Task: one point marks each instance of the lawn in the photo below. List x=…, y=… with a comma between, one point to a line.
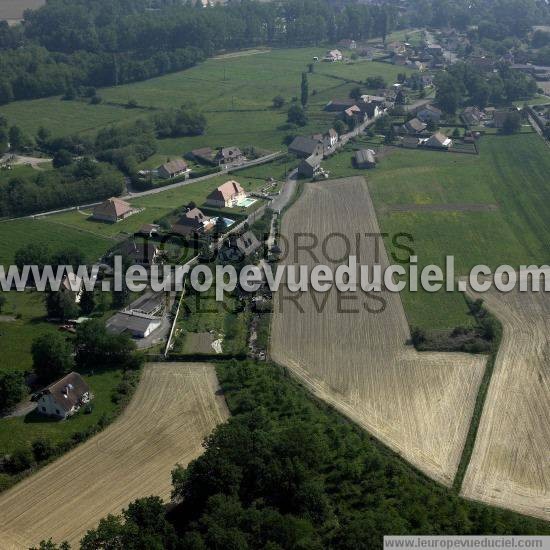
x=22, y=171
x=235, y=94
x=510, y=177
x=154, y=207
x=20, y=233
x=16, y=336
x=19, y=432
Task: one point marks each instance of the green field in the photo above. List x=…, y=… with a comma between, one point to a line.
x=234, y=92
x=16, y=336
x=510, y=174
x=19, y=233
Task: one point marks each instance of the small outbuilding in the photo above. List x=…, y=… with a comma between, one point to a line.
x=365, y=158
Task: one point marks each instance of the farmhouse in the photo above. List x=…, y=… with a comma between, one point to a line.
x=64, y=397
x=236, y=248
x=354, y=114
x=133, y=323
x=338, y=105
x=472, y=116
x=112, y=210
x=226, y=195
x=230, y=155
x=413, y=126
x=429, y=113
x=304, y=147
x=193, y=221
x=438, y=141
x=173, y=169
x=143, y=253
x=333, y=55
x=309, y=166
x=365, y=158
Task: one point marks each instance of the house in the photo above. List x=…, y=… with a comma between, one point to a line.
x=133, y=323
x=191, y=222
x=348, y=44
x=237, y=248
x=173, y=169
x=438, y=141
x=338, y=105
x=64, y=397
x=429, y=113
x=304, y=147
x=413, y=126
x=434, y=49
x=354, y=115
x=330, y=139
x=149, y=229
x=309, y=166
x=333, y=55
x=399, y=59
x=226, y=195
x=370, y=109
x=204, y=154
x=143, y=253
x=73, y=284
x=379, y=100
x=472, y=116
x=230, y=155
x=365, y=158
x=112, y=210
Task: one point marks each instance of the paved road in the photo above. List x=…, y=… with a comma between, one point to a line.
x=261, y=160
x=287, y=192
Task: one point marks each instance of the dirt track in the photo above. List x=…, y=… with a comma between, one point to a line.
x=418, y=404
x=174, y=408
x=510, y=464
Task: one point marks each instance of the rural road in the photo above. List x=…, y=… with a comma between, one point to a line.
x=129, y=196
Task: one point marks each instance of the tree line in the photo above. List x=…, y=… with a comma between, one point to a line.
x=71, y=43
x=286, y=472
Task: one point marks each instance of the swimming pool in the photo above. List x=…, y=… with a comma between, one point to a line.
x=246, y=202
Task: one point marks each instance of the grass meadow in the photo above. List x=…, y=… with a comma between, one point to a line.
x=509, y=177
x=235, y=93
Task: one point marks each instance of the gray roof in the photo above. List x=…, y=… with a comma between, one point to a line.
x=247, y=243
x=365, y=156
x=174, y=166
x=416, y=125
x=130, y=321
x=148, y=303
x=304, y=145
x=314, y=160
x=68, y=391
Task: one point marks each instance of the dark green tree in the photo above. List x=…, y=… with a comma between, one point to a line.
x=52, y=357
x=12, y=389
x=297, y=115
x=304, y=90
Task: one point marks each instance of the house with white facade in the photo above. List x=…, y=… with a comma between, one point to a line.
x=64, y=397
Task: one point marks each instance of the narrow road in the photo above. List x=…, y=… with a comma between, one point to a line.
x=131, y=195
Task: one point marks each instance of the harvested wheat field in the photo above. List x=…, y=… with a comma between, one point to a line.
x=510, y=464
x=420, y=405
x=174, y=408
